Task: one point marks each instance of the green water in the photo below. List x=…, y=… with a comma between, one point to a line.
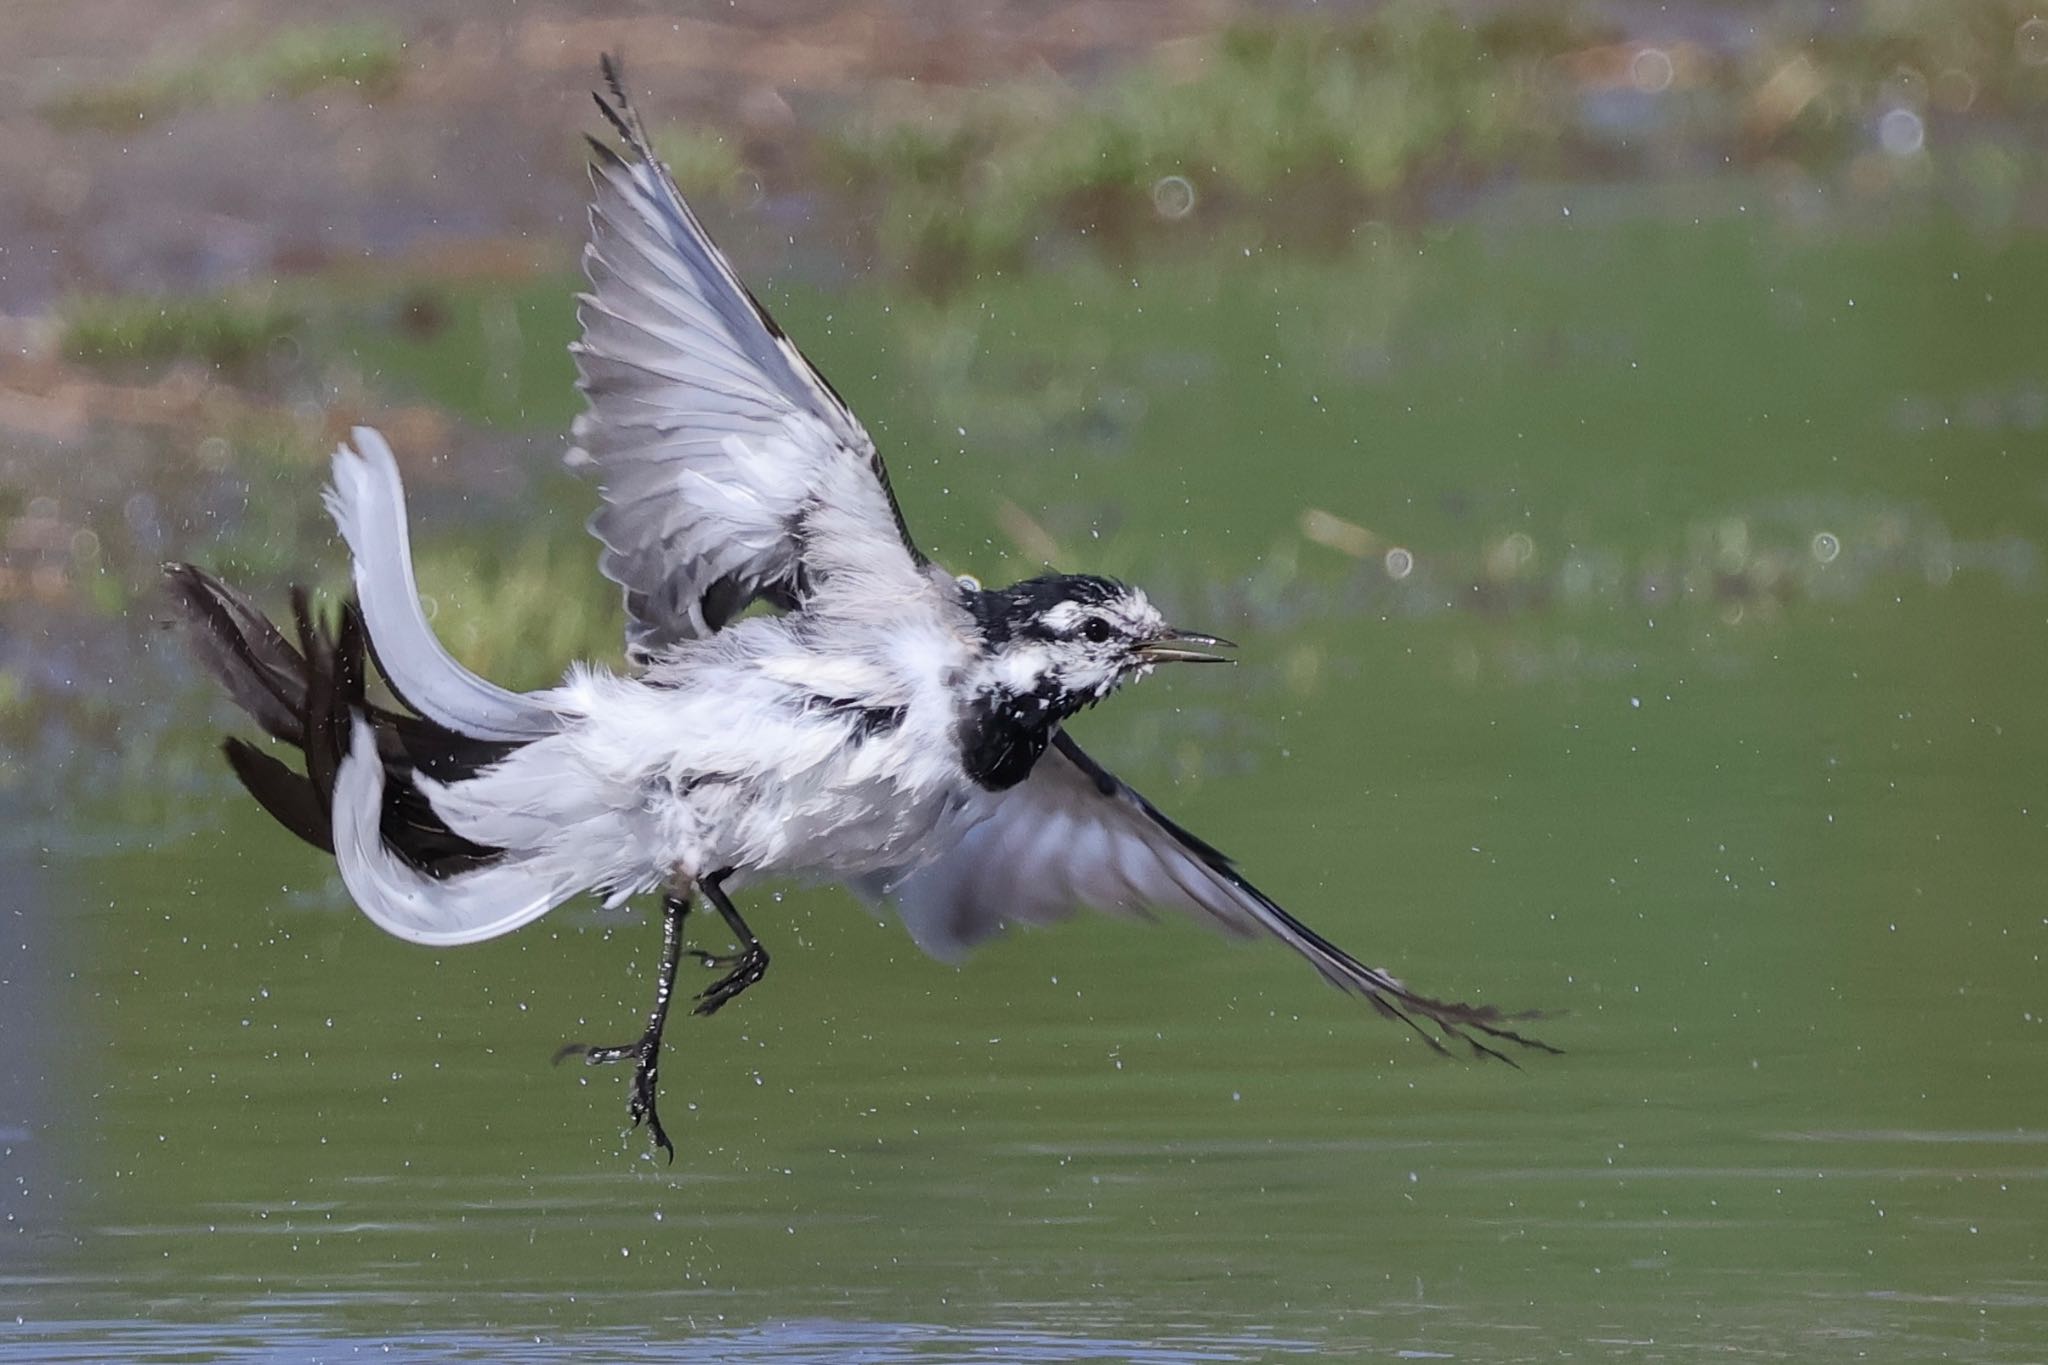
x=1708, y=717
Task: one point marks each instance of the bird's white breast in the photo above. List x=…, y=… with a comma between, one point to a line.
x=764, y=751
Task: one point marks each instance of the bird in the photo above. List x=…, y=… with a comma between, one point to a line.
x=807, y=695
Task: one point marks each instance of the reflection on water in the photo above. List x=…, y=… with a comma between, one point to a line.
x=874, y=1343
x=1705, y=712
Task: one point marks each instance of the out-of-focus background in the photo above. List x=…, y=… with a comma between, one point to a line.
x=1616, y=433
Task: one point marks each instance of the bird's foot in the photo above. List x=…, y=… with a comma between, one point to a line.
x=748, y=967
x=646, y=1058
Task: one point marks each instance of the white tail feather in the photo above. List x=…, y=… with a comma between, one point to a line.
x=466, y=908
x=367, y=502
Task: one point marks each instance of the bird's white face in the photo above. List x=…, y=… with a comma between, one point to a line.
x=1088, y=647
x=1059, y=643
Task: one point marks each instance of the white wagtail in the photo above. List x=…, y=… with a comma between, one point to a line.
x=887, y=725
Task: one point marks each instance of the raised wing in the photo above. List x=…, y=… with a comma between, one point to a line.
x=717, y=445
x=1074, y=835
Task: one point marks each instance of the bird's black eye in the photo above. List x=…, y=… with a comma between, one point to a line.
x=1095, y=629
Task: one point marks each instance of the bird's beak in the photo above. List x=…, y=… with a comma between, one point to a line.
x=1181, y=646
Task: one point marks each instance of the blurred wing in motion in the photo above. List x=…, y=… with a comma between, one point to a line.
x=730, y=469
x=1074, y=835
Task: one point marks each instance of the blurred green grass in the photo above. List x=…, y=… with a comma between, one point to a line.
x=1305, y=119
x=1306, y=125
x=295, y=60
x=232, y=332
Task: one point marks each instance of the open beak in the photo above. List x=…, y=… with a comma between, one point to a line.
x=1182, y=646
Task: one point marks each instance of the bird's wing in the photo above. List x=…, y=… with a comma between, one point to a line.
x=1074, y=835
x=730, y=469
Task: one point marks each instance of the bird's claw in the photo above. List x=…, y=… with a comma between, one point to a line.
x=748, y=967
x=641, y=1107
x=646, y=1057
x=595, y=1055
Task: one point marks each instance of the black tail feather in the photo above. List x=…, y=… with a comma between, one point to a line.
x=327, y=702
x=244, y=652
x=293, y=801
x=308, y=697
x=409, y=742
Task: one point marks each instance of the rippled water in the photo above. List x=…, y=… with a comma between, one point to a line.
x=1705, y=711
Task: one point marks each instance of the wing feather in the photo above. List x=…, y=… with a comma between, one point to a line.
x=715, y=441
x=1074, y=836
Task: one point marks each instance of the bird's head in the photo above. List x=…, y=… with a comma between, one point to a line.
x=1066, y=641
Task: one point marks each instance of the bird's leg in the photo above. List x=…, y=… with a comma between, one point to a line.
x=749, y=965
x=646, y=1050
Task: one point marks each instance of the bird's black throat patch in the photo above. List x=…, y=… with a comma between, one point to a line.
x=1002, y=735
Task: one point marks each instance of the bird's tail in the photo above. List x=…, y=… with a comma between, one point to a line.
x=367, y=502
x=306, y=695
x=360, y=795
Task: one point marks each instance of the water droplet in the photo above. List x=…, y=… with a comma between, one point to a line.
x=1901, y=133
x=1173, y=196
x=2030, y=43
x=1651, y=71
